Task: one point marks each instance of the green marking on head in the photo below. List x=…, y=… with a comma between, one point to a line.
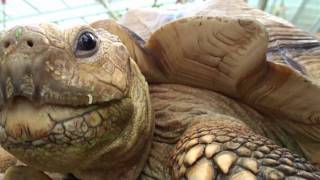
x=19, y=31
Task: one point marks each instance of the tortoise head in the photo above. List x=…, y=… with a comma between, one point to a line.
x=67, y=95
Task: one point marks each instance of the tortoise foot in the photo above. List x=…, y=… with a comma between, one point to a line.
x=224, y=152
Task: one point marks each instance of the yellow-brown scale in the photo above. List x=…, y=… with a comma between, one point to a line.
x=203, y=134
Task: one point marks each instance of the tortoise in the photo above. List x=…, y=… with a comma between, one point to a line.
x=223, y=92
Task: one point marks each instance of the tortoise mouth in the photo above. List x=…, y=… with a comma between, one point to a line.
x=23, y=124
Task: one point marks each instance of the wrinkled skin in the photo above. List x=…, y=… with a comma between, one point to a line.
x=61, y=108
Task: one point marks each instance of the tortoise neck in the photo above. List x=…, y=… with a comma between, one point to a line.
x=126, y=156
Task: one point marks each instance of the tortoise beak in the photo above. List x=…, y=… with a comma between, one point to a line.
x=20, y=69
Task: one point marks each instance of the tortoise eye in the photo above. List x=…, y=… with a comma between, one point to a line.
x=86, y=45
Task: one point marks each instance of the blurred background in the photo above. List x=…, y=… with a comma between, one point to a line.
x=303, y=13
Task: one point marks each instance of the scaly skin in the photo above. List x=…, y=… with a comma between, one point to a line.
x=283, y=85
x=120, y=146
x=188, y=118
x=63, y=113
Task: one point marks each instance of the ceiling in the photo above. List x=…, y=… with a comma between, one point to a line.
x=303, y=13
x=66, y=12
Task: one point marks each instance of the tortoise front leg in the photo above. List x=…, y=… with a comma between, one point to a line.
x=227, y=150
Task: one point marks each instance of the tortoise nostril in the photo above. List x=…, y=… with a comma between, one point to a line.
x=30, y=43
x=6, y=44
